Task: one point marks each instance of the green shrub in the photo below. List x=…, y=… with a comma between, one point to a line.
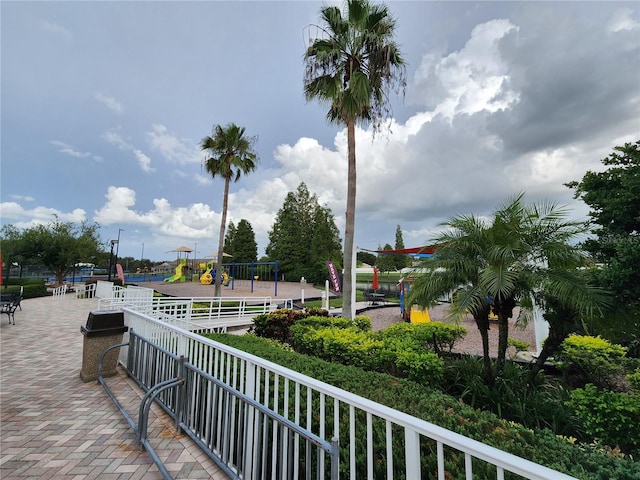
x=277, y=324
x=32, y=288
x=424, y=367
x=434, y=336
x=594, y=359
x=394, y=352
x=304, y=325
x=539, y=404
x=348, y=346
x=634, y=379
x=542, y=446
x=517, y=346
x=362, y=322
x=612, y=418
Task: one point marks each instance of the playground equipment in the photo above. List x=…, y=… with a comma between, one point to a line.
x=209, y=276
x=179, y=275
x=416, y=314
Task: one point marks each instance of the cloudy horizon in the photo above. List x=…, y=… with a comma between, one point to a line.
x=104, y=105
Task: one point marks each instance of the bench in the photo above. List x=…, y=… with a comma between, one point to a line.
x=373, y=298
x=9, y=303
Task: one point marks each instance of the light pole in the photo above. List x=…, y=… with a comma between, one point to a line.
x=113, y=242
x=118, y=243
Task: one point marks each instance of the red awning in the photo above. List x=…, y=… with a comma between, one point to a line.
x=424, y=251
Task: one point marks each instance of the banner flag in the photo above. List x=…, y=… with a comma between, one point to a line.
x=120, y=272
x=335, y=277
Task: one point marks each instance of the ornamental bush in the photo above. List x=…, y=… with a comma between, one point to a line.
x=541, y=446
x=594, y=360
x=403, y=350
x=611, y=418
x=277, y=324
x=32, y=287
x=433, y=336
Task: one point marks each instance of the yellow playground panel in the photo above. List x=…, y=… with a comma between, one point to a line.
x=419, y=314
x=207, y=277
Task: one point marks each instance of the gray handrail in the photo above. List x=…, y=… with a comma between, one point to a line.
x=141, y=428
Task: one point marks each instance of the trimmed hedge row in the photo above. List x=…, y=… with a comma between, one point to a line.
x=541, y=446
x=32, y=287
x=404, y=350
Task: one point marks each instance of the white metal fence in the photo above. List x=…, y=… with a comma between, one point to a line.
x=201, y=315
x=375, y=441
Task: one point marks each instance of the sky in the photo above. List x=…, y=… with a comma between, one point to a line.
x=104, y=105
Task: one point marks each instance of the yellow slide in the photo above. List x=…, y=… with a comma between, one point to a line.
x=179, y=276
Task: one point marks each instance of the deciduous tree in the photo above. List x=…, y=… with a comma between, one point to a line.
x=613, y=196
x=57, y=245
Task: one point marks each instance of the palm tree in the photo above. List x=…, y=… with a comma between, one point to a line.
x=524, y=253
x=351, y=67
x=232, y=156
x=581, y=302
x=456, y=268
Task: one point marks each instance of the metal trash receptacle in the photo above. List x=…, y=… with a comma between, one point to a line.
x=103, y=329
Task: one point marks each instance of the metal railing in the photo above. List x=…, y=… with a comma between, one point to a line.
x=201, y=315
x=377, y=441
x=245, y=438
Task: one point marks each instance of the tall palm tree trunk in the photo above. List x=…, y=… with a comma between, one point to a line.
x=482, y=322
x=223, y=223
x=350, y=223
x=503, y=337
x=504, y=310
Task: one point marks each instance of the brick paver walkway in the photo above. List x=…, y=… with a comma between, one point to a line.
x=54, y=426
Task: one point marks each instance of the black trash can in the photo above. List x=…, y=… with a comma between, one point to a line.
x=104, y=328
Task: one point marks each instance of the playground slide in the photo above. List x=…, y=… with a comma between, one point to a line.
x=178, y=276
x=209, y=276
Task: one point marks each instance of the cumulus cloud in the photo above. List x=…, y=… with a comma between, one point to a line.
x=500, y=115
x=115, y=138
x=23, y=217
x=110, y=102
x=470, y=80
x=577, y=82
x=519, y=107
x=196, y=221
x=622, y=19
x=201, y=179
x=524, y=102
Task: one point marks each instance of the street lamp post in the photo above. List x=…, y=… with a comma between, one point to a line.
x=118, y=243
x=113, y=242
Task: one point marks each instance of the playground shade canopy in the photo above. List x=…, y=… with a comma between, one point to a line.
x=182, y=250
x=215, y=255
